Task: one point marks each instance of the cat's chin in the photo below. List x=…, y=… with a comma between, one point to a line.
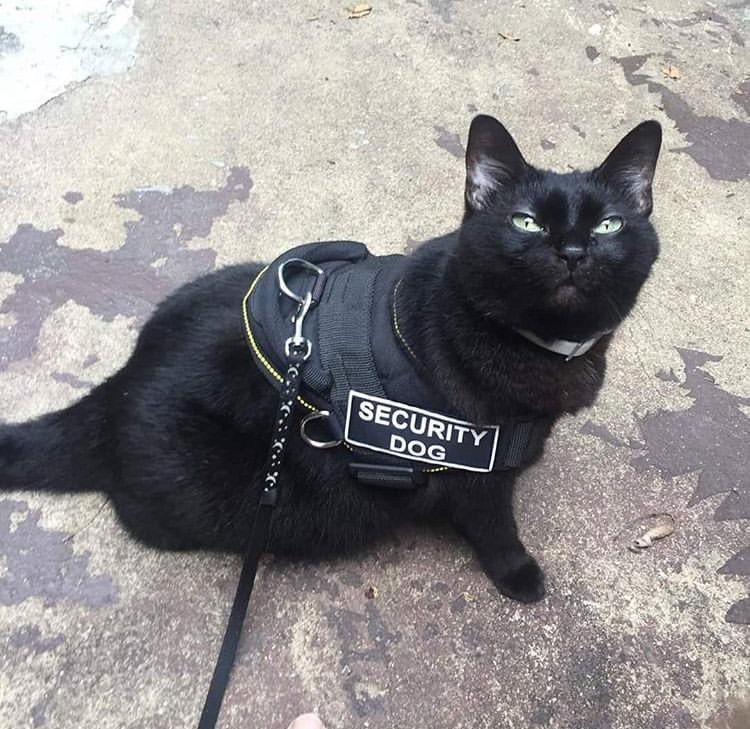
x=568, y=296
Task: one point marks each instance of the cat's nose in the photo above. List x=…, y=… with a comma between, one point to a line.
x=572, y=255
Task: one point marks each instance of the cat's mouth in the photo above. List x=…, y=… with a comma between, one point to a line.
x=569, y=292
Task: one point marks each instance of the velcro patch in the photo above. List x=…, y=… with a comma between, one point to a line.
x=401, y=430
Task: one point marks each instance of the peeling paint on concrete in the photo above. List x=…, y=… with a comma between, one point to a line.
x=603, y=433
x=708, y=17
x=709, y=438
x=578, y=131
x=665, y=376
x=91, y=360
x=29, y=638
x=9, y=42
x=740, y=612
x=38, y=717
x=443, y=8
x=720, y=146
x=364, y=639
x=450, y=142
x=741, y=96
x=73, y=197
x=738, y=565
x=122, y=282
x=69, y=379
x=735, y=715
x=169, y=219
x=40, y=563
x=657, y=645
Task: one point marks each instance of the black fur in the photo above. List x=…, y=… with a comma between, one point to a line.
x=178, y=437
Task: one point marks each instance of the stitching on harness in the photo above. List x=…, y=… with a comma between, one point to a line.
x=395, y=324
x=256, y=349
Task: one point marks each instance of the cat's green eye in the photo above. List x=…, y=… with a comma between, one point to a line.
x=526, y=223
x=608, y=225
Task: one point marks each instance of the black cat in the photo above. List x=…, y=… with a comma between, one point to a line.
x=178, y=437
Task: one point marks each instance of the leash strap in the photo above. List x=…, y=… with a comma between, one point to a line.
x=225, y=661
x=297, y=352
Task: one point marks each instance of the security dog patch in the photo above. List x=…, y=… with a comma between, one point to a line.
x=419, y=435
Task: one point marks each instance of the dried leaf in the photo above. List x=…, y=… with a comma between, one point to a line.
x=672, y=72
x=508, y=36
x=359, y=10
x=663, y=527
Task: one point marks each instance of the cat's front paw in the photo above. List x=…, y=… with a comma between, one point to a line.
x=523, y=581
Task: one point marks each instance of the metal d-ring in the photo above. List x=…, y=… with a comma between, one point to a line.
x=311, y=441
x=302, y=263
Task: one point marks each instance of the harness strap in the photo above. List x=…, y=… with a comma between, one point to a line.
x=518, y=440
x=345, y=334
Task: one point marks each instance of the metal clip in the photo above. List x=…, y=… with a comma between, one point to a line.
x=305, y=303
x=574, y=352
x=299, y=320
x=302, y=263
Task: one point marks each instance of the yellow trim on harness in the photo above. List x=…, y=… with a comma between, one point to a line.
x=396, y=327
x=256, y=349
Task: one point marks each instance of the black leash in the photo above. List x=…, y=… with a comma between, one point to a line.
x=297, y=351
x=225, y=661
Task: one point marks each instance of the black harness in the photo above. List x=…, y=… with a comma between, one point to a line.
x=363, y=386
x=349, y=366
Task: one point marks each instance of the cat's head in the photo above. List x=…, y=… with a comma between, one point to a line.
x=563, y=255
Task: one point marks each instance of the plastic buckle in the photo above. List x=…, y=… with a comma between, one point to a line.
x=393, y=477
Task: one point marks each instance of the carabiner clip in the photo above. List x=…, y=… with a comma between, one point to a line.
x=305, y=303
x=302, y=263
x=299, y=319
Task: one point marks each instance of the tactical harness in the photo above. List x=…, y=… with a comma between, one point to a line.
x=357, y=376
x=362, y=382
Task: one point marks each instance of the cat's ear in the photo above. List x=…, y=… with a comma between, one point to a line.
x=492, y=160
x=630, y=165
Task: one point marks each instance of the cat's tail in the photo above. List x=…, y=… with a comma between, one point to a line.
x=60, y=451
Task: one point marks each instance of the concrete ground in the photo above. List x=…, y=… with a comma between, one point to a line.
x=225, y=131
